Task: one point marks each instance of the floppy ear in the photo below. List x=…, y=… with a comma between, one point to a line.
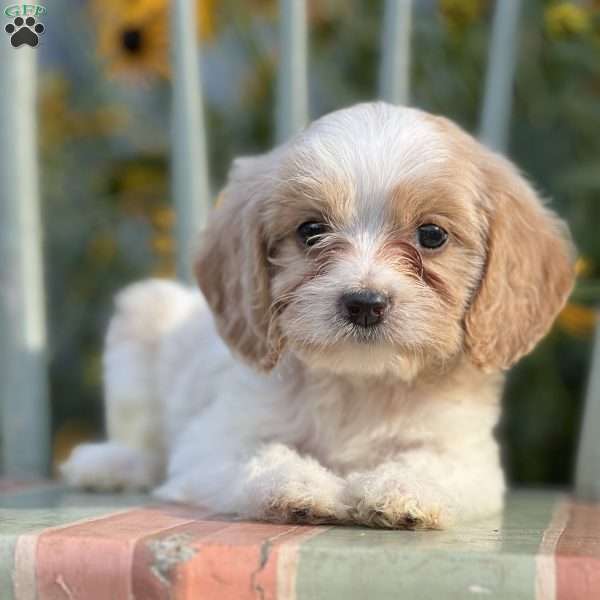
x=529, y=271
x=232, y=267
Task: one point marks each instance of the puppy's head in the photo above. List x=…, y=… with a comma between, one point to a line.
x=383, y=240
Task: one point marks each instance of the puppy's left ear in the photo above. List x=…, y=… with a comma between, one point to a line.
x=529, y=271
x=232, y=266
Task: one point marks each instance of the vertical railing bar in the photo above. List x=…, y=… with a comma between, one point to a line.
x=497, y=99
x=189, y=164
x=587, y=473
x=23, y=370
x=394, y=74
x=292, y=84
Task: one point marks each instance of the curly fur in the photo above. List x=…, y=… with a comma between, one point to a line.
x=257, y=397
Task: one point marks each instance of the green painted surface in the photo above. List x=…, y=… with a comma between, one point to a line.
x=491, y=559
x=31, y=511
x=57, y=496
x=40, y=496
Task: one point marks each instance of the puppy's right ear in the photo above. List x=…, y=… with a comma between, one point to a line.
x=232, y=267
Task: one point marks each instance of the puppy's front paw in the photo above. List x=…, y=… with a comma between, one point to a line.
x=384, y=500
x=283, y=487
x=298, y=501
x=289, y=502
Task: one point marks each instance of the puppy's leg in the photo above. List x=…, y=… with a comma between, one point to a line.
x=425, y=489
x=133, y=456
x=110, y=467
x=276, y=484
x=280, y=485
x=217, y=463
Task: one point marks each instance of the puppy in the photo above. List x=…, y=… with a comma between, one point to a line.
x=364, y=288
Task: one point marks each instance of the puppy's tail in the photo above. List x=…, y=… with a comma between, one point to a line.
x=146, y=312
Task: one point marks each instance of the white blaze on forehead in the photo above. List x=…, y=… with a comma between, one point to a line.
x=371, y=148
x=360, y=262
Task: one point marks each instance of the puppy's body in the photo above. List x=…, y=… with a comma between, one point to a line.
x=387, y=423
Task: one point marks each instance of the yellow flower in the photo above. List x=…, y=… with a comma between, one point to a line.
x=566, y=19
x=134, y=10
x=162, y=217
x=459, y=14
x=578, y=320
x=206, y=15
x=583, y=267
x=163, y=245
x=133, y=36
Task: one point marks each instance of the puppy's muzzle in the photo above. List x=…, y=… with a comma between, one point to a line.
x=365, y=308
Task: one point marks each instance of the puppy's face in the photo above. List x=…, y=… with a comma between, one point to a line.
x=383, y=240
x=379, y=245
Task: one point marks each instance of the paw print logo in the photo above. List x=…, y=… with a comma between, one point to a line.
x=24, y=31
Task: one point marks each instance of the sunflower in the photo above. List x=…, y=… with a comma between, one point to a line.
x=133, y=36
x=566, y=19
x=578, y=320
x=583, y=267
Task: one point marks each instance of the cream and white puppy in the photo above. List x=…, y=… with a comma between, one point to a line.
x=365, y=286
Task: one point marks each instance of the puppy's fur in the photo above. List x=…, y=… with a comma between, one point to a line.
x=259, y=398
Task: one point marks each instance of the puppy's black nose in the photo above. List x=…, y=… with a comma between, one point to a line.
x=365, y=307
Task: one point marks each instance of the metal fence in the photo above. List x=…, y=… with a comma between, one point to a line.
x=23, y=370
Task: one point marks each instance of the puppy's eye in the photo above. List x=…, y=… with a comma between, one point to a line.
x=431, y=236
x=310, y=232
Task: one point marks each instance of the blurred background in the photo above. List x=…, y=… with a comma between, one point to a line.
x=104, y=116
